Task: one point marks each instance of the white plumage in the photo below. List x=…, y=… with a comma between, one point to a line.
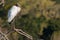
x=13, y=12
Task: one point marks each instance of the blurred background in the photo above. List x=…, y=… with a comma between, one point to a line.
x=39, y=18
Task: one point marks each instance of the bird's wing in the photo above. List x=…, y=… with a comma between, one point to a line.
x=13, y=12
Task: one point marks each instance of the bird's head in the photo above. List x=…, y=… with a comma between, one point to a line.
x=17, y=4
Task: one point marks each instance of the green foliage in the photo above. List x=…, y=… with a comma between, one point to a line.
x=34, y=16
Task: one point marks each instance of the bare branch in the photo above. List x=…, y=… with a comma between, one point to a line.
x=2, y=2
x=4, y=36
x=23, y=33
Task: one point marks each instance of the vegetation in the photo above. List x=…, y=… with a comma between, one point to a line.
x=39, y=18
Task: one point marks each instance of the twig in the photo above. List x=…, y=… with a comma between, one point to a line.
x=23, y=33
x=2, y=2
x=4, y=36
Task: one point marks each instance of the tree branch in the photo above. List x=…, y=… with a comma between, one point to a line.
x=2, y=2
x=4, y=36
x=23, y=33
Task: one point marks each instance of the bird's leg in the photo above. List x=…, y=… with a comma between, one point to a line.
x=13, y=24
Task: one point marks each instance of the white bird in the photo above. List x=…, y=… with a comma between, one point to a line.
x=15, y=9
